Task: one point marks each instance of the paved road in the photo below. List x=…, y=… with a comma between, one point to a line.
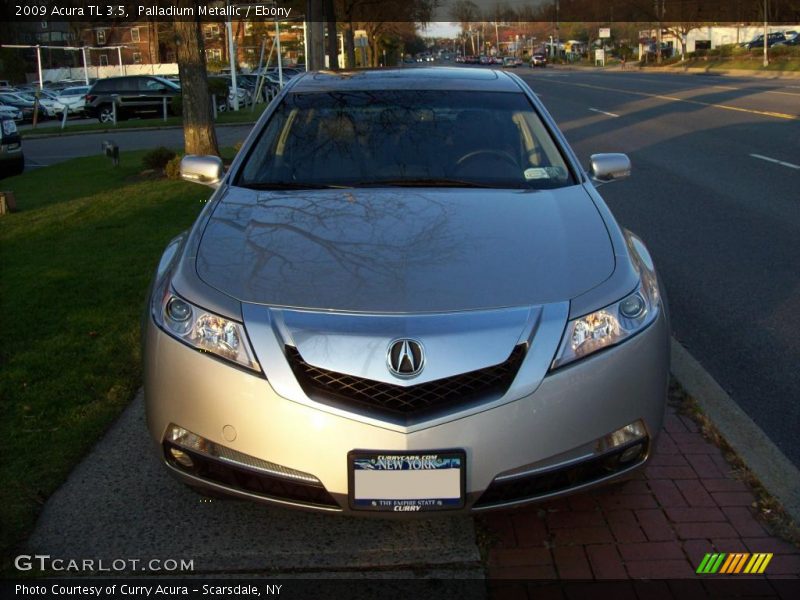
x=720, y=215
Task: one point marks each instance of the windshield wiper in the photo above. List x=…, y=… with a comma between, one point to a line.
x=292, y=185
x=432, y=182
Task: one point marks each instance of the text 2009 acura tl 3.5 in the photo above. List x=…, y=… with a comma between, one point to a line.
x=405, y=296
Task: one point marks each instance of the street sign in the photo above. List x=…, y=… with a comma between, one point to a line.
x=600, y=57
x=605, y=33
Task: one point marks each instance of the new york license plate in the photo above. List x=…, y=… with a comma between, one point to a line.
x=407, y=482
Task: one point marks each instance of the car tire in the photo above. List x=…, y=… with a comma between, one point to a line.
x=106, y=114
x=222, y=106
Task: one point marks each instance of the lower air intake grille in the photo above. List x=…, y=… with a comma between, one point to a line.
x=404, y=402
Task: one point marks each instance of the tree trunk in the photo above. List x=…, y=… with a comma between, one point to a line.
x=332, y=40
x=198, y=123
x=315, y=31
x=374, y=51
x=350, y=46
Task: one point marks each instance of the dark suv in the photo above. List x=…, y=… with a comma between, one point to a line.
x=133, y=95
x=12, y=161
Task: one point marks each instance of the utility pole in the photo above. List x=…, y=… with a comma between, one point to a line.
x=766, y=35
x=659, y=18
x=558, y=44
x=232, y=59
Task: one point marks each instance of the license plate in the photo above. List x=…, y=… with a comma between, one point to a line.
x=407, y=481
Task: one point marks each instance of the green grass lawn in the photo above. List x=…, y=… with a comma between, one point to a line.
x=777, y=64
x=245, y=115
x=76, y=263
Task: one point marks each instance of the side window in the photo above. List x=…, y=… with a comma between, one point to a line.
x=102, y=86
x=126, y=85
x=151, y=86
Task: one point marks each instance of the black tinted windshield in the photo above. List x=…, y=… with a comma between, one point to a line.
x=396, y=138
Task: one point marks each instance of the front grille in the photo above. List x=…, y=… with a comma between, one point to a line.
x=550, y=482
x=248, y=480
x=404, y=403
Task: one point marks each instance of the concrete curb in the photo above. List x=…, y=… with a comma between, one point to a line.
x=776, y=472
x=730, y=72
x=42, y=136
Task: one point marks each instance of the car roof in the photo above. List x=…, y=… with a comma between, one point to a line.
x=425, y=78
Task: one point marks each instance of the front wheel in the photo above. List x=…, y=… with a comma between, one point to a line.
x=106, y=114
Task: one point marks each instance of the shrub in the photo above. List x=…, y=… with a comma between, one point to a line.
x=176, y=105
x=173, y=167
x=157, y=158
x=218, y=86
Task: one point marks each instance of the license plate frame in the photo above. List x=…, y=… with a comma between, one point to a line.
x=365, y=471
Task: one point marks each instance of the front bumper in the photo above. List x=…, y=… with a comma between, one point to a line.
x=551, y=432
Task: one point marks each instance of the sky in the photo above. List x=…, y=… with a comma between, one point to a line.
x=440, y=29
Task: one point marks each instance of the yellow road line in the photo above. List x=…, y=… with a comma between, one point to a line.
x=762, y=113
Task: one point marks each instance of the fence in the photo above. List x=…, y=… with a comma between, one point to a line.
x=105, y=71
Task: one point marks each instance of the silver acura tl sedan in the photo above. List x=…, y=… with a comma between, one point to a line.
x=405, y=295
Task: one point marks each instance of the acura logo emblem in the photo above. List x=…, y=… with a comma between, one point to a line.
x=405, y=358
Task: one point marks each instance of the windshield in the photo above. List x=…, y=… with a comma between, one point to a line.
x=396, y=138
x=75, y=91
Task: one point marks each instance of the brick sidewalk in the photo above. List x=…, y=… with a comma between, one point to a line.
x=659, y=525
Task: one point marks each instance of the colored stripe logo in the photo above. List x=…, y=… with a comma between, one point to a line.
x=734, y=563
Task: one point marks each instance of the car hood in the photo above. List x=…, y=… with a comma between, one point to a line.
x=405, y=250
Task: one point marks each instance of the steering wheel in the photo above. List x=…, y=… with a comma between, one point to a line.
x=499, y=153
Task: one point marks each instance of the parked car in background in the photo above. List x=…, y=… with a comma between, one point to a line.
x=538, y=60
x=510, y=61
x=242, y=92
x=12, y=159
x=46, y=100
x=10, y=112
x=792, y=39
x=24, y=103
x=772, y=39
x=73, y=99
x=133, y=96
x=219, y=86
x=405, y=296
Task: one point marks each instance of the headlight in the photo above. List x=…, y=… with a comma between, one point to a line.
x=204, y=330
x=612, y=324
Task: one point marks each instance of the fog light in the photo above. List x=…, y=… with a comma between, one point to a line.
x=631, y=453
x=622, y=436
x=632, y=307
x=182, y=458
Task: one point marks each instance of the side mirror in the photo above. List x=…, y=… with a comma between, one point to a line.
x=202, y=169
x=609, y=167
